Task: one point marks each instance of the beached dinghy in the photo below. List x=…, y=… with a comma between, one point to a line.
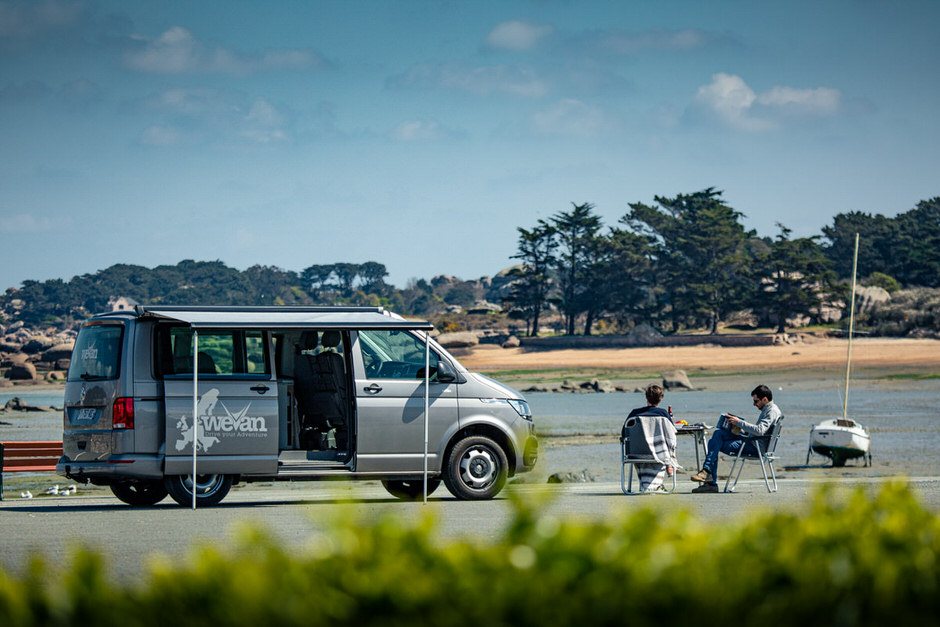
x=841, y=439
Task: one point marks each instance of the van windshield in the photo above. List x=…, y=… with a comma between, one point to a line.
x=97, y=353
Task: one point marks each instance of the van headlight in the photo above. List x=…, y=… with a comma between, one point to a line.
x=521, y=407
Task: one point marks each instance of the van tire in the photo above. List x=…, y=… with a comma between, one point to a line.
x=410, y=489
x=139, y=492
x=476, y=469
x=211, y=489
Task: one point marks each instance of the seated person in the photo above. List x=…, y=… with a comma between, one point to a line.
x=730, y=440
x=659, y=439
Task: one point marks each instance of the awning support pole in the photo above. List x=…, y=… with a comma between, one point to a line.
x=427, y=385
x=195, y=407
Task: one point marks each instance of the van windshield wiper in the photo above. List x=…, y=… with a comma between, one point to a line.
x=92, y=377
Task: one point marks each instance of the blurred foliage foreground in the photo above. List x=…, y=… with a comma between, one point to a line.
x=850, y=559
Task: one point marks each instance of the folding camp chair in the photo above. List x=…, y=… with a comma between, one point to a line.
x=762, y=451
x=634, y=450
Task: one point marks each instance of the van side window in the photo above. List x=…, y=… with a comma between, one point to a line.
x=221, y=353
x=394, y=355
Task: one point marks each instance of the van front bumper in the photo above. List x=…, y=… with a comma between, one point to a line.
x=116, y=467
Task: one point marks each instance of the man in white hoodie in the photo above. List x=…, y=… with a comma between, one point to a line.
x=729, y=440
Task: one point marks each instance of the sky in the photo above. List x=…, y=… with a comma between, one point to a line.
x=422, y=134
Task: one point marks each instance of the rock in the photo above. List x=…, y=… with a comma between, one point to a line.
x=603, y=387
x=677, y=379
x=568, y=386
x=484, y=307
x=58, y=351
x=16, y=404
x=512, y=342
x=460, y=339
x=55, y=375
x=870, y=297
x=22, y=372
x=62, y=364
x=570, y=477
x=9, y=346
x=37, y=344
x=536, y=388
x=587, y=385
x=644, y=335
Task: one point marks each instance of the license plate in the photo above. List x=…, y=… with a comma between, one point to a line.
x=84, y=415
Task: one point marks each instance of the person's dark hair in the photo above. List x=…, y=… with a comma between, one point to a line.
x=654, y=394
x=762, y=391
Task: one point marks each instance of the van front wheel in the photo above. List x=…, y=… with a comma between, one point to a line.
x=476, y=469
x=139, y=492
x=210, y=489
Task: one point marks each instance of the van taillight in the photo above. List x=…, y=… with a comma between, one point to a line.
x=122, y=414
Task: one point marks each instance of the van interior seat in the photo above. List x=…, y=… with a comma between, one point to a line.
x=320, y=385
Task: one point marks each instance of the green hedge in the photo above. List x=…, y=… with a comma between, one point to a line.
x=850, y=559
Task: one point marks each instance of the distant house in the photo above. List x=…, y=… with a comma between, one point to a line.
x=121, y=303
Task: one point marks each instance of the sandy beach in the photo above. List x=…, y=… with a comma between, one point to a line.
x=915, y=356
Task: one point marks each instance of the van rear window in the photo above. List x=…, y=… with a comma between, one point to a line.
x=221, y=353
x=97, y=353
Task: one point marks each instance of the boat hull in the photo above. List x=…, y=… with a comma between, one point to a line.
x=840, y=442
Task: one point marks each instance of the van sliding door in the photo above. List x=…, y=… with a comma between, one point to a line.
x=389, y=369
x=237, y=405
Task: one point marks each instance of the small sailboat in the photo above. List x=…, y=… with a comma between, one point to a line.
x=842, y=439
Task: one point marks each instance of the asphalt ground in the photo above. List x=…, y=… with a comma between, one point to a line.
x=300, y=513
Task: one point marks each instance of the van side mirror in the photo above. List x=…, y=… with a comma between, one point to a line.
x=445, y=372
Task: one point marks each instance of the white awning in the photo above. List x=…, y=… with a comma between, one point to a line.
x=373, y=318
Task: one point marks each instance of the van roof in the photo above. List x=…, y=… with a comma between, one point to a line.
x=218, y=317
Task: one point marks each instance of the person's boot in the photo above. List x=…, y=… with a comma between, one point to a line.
x=702, y=476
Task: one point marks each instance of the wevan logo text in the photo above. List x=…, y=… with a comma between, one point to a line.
x=212, y=427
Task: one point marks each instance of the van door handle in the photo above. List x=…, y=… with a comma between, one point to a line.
x=375, y=388
x=260, y=389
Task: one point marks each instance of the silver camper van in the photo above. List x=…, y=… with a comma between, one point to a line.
x=282, y=393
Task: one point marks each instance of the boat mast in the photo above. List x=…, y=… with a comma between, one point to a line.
x=848, y=359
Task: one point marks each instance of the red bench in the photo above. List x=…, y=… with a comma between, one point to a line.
x=28, y=457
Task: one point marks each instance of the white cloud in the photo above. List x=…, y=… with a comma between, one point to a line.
x=26, y=223
x=420, y=130
x=516, y=35
x=733, y=101
x=158, y=135
x=177, y=51
x=630, y=43
x=264, y=123
x=821, y=101
x=573, y=118
x=22, y=20
x=481, y=80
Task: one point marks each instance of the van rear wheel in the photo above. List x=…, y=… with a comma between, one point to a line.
x=139, y=492
x=408, y=489
x=210, y=489
x=476, y=469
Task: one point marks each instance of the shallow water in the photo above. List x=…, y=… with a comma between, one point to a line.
x=901, y=417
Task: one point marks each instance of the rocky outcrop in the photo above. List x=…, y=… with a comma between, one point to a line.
x=677, y=379
x=460, y=339
x=644, y=335
x=21, y=372
x=512, y=342
x=58, y=351
x=572, y=477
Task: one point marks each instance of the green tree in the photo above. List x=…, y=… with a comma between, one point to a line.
x=917, y=249
x=532, y=279
x=702, y=251
x=575, y=231
x=796, y=278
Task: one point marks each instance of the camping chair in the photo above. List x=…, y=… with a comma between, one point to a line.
x=765, y=446
x=635, y=450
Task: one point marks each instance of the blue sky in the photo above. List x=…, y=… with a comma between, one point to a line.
x=421, y=134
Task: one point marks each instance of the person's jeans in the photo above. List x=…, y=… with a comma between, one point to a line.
x=722, y=441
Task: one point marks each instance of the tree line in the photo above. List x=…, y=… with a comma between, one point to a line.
x=683, y=262
x=687, y=262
